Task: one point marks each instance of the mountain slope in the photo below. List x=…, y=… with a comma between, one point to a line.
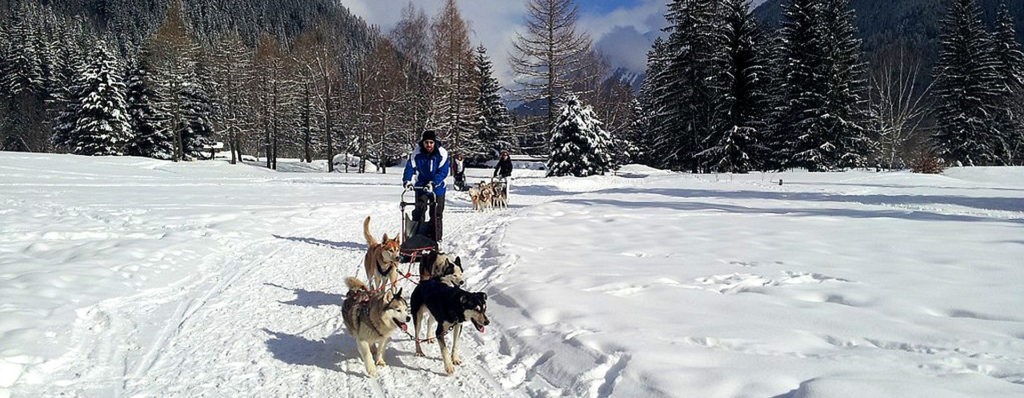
x=887, y=26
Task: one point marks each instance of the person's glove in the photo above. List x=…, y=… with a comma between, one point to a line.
x=407, y=184
x=429, y=187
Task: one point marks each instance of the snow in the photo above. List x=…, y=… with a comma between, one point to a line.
x=133, y=277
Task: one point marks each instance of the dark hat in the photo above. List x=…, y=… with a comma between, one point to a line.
x=429, y=135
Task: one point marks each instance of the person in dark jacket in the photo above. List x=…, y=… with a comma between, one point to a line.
x=503, y=169
x=429, y=164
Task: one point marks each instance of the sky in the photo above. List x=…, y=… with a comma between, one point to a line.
x=622, y=29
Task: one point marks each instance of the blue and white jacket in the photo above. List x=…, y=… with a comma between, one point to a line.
x=432, y=168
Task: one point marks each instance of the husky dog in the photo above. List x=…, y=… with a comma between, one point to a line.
x=500, y=194
x=476, y=198
x=487, y=195
x=381, y=258
x=450, y=306
x=442, y=265
x=370, y=317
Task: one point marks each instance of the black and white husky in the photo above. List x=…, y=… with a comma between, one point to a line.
x=450, y=306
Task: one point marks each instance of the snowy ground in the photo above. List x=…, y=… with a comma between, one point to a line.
x=134, y=277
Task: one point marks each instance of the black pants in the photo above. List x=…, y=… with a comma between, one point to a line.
x=437, y=209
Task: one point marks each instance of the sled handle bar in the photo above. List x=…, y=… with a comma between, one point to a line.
x=433, y=196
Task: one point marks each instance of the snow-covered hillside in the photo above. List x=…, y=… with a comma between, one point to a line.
x=133, y=277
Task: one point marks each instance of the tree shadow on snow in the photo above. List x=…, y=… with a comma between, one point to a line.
x=311, y=299
x=914, y=215
x=982, y=203
x=327, y=243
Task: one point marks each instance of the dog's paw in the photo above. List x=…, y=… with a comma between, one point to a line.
x=419, y=352
x=372, y=371
x=380, y=363
x=456, y=360
x=449, y=369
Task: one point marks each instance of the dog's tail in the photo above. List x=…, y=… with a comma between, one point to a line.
x=354, y=284
x=366, y=232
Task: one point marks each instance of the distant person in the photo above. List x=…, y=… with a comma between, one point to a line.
x=503, y=170
x=459, y=171
x=429, y=163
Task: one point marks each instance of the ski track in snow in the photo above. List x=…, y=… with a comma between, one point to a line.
x=261, y=306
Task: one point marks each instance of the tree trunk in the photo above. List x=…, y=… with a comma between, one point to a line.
x=329, y=128
x=308, y=138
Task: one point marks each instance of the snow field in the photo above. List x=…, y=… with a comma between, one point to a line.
x=131, y=277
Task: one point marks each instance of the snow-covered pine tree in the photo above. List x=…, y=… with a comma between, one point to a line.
x=846, y=86
x=21, y=67
x=495, y=122
x=22, y=84
x=197, y=129
x=150, y=135
x=579, y=145
x=631, y=145
x=645, y=109
x=798, y=83
x=742, y=91
x=820, y=114
x=966, y=87
x=68, y=56
x=102, y=128
x=686, y=113
x=1010, y=61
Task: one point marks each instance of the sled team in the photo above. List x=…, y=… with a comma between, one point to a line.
x=372, y=311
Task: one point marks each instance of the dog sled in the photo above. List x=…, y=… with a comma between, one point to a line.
x=417, y=237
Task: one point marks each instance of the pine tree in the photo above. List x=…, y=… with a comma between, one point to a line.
x=632, y=145
x=966, y=86
x=579, y=145
x=1010, y=62
x=845, y=110
x=495, y=123
x=197, y=129
x=21, y=67
x=150, y=135
x=645, y=108
x=798, y=85
x=102, y=128
x=685, y=110
x=820, y=114
x=743, y=96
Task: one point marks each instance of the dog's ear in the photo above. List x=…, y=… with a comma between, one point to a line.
x=483, y=296
x=388, y=297
x=385, y=239
x=458, y=261
x=399, y=294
